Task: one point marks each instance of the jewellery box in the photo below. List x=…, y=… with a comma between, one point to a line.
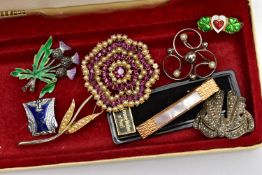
x=20, y=38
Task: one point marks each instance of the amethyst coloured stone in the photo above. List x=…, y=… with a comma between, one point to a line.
x=104, y=51
x=96, y=58
x=110, y=48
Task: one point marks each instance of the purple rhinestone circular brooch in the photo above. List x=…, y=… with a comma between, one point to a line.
x=119, y=73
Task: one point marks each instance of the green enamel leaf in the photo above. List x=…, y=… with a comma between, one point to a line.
x=22, y=73
x=44, y=53
x=47, y=89
x=24, y=76
x=17, y=72
x=48, y=77
x=45, y=73
x=46, y=80
x=204, y=24
x=233, y=26
x=45, y=59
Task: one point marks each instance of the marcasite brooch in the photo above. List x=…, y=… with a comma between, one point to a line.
x=212, y=122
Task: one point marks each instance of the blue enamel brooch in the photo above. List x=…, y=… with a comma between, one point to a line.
x=41, y=116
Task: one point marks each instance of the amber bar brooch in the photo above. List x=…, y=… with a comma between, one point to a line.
x=200, y=94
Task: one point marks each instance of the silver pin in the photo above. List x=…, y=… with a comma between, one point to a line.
x=194, y=58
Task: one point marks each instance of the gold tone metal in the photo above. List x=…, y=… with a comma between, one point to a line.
x=147, y=128
x=67, y=117
x=12, y=13
x=207, y=89
x=82, y=122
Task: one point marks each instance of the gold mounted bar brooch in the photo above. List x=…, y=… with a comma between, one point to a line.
x=200, y=94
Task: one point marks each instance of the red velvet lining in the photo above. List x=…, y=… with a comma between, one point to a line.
x=21, y=38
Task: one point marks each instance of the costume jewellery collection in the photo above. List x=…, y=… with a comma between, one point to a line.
x=119, y=74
